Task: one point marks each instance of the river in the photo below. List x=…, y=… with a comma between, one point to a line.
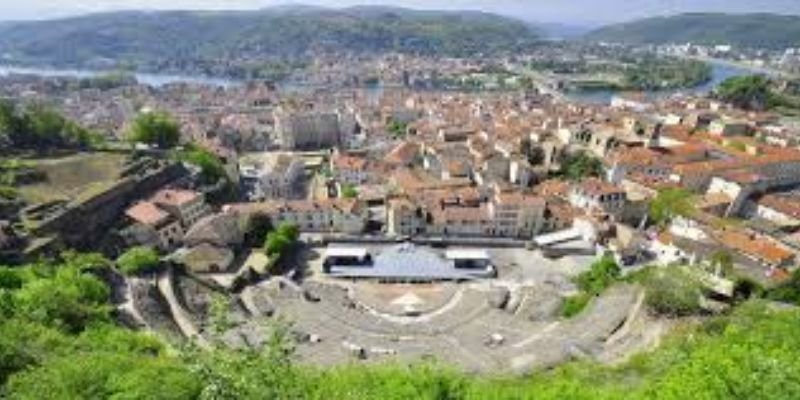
x=719, y=73
x=155, y=80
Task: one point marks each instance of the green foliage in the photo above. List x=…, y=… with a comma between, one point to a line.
x=748, y=92
x=763, y=30
x=207, y=43
x=751, y=353
x=41, y=128
x=69, y=300
x=573, y=305
x=219, y=314
x=138, y=260
x=349, y=192
x=155, y=128
x=670, y=203
x=280, y=241
x=397, y=129
x=655, y=74
x=672, y=291
x=212, y=170
x=787, y=292
x=602, y=274
x=580, y=165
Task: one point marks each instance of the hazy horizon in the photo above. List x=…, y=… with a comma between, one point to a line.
x=569, y=12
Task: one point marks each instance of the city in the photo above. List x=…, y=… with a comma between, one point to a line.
x=382, y=202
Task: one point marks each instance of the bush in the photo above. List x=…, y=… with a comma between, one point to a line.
x=603, y=273
x=672, y=292
x=787, y=292
x=573, y=305
x=212, y=170
x=138, y=260
x=279, y=241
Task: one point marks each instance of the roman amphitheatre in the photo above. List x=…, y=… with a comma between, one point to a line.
x=510, y=322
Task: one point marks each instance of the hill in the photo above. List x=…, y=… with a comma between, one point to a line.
x=193, y=37
x=748, y=30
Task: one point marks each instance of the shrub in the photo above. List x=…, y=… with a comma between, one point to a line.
x=573, y=305
x=138, y=260
x=672, y=292
x=603, y=273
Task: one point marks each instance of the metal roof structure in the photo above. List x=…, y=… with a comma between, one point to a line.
x=467, y=254
x=407, y=262
x=339, y=251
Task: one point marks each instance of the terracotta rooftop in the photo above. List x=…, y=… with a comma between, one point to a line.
x=762, y=249
x=785, y=203
x=147, y=213
x=174, y=197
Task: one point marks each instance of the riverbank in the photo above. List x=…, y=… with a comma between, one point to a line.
x=720, y=72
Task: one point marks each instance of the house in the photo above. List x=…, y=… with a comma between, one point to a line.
x=187, y=206
x=763, y=250
x=404, y=218
x=782, y=209
x=333, y=215
x=349, y=170
x=277, y=177
x=517, y=215
x=595, y=194
x=307, y=130
x=152, y=226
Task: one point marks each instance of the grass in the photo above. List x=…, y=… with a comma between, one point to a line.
x=68, y=177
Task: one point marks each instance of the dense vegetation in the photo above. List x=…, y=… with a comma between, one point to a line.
x=212, y=169
x=157, y=129
x=672, y=292
x=580, y=165
x=655, y=74
x=670, y=203
x=280, y=241
x=756, y=92
x=58, y=340
x=138, y=260
x=228, y=42
x=40, y=128
x=748, y=30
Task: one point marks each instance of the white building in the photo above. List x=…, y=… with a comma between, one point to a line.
x=279, y=177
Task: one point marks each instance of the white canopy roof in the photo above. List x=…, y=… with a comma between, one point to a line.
x=467, y=254
x=339, y=251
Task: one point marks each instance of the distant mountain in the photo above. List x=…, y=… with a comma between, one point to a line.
x=750, y=30
x=554, y=30
x=190, y=37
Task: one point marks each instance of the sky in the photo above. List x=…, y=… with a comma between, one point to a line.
x=575, y=12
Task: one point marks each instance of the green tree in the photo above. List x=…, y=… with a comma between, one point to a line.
x=580, y=165
x=280, y=241
x=69, y=300
x=748, y=92
x=155, y=128
x=670, y=203
x=349, y=192
x=138, y=260
x=212, y=170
